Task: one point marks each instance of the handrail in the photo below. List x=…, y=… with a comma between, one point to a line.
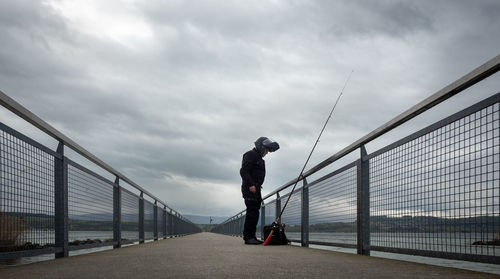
x=36, y=121
x=487, y=69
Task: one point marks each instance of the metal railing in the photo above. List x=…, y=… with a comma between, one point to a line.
x=51, y=204
x=434, y=193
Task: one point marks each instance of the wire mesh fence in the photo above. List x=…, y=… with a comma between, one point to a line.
x=438, y=191
x=170, y=224
x=90, y=207
x=129, y=216
x=270, y=212
x=182, y=226
x=26, y=193
x=332, y=207
x=291, y=217
x=148, y=220
x=161, y=220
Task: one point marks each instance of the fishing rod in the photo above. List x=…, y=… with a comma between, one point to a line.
x=275, y=224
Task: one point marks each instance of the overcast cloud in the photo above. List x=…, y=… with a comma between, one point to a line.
x=172, y=93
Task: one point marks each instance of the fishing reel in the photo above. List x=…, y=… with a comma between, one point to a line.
x=277, y=226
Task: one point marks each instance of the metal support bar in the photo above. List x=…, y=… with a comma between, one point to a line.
x=363, y=202
x=141, y=218
x=164, y=222
x=155, y=222
x=304, y=224
x=61, y=203
x=117, y=214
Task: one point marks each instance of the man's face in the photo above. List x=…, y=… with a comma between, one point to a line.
x=265, y=152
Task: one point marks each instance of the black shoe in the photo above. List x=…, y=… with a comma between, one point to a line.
x=253, y=241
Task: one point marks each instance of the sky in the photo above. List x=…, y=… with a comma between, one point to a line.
x=172, y=93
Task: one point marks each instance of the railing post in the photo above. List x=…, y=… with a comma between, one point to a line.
x=155, y=221
x=141, y=218
x=262, y=219
x=165, y=222
x=363, y=202
x=304, y=226
x=61, y=202
x=117, y=214
x=278, y=205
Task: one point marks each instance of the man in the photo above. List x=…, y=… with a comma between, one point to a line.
x=253, y=171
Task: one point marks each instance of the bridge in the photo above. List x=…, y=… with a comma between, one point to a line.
x=434, y=193
x=209, y=255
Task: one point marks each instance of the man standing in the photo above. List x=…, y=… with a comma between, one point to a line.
x=253, y=171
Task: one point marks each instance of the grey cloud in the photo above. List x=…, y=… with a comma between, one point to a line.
x=33, y=38
x=369, y=18
x=188, y=102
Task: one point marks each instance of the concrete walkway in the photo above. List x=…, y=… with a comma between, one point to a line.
x=208, y=255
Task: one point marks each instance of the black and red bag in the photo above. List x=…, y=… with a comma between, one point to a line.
x=278, y=237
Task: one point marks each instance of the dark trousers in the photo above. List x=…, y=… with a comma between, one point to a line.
x=251, y=219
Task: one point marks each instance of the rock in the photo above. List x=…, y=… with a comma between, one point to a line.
x=491, y=242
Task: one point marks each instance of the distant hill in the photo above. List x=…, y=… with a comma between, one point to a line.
x=197, y=219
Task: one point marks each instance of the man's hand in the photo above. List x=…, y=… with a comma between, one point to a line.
x=253, y=189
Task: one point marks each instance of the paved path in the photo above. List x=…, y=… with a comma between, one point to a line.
x=208, y=255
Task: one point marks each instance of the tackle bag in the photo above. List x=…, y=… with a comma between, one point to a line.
x=278, y=237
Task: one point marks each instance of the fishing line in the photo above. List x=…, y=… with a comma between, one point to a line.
x=305, y=164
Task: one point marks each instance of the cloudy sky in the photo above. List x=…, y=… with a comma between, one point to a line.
x=172, y=93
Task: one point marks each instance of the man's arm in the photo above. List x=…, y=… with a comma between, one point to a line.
x=246, y=168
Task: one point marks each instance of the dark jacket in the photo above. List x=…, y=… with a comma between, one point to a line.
x=253, y=171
